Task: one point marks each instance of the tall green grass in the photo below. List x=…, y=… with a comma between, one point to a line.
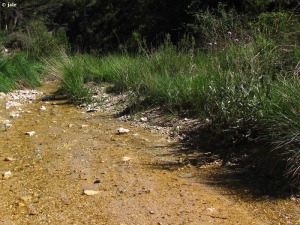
x=17, y=70
x=22, y=65
x=248, y=88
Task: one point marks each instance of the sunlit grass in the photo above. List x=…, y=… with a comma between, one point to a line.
x=248, y=88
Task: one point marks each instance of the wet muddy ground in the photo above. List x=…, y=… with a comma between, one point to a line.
x=131, y=178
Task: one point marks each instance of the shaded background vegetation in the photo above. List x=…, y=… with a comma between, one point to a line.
x=109, y=25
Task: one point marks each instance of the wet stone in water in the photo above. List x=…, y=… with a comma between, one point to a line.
x=122, y=130
x=90, y=192
x=7, y=175
x=97, y=181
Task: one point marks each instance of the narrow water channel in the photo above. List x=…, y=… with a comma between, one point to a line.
x=72, y=151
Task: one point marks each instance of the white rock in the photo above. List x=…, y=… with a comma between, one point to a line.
x=9, y=159
x=6, y=121
x=2, y=95
x=144, y=119
x=8, y=125
x=12, y=104
x=122, y=130
x=126, y=159
x=14, y=115
x=211, y=209
x=30, y=133
x=7, y=175
x=90, y=192
x=42, y=108
x=208, y=121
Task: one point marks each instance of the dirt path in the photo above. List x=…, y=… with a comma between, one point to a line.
x=72, y=151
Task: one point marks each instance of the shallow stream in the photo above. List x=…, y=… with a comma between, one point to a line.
x=73, y=151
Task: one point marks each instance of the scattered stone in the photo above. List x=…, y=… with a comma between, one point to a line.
x=14, y=115
x=186, y=175
x=26, y=199
x=151, y=212
x=144, y=119
x=7, y=125
x=6, y=121
x=84, y=126
x=122, y=130
x=12, y=104
x=7, y=175
x=9, y=159
x=32, y=210
x=97, y=181
x=30, y=133
x=211, y=209
x=208, y=121
x=2, y=95
x=135, y=134
x=90, y=192
x=42, y=108
x=126, y=159
x=124, y=118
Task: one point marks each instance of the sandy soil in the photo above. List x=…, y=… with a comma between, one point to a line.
x=73, y=151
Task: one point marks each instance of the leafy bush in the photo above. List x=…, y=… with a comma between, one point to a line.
x=37, y=41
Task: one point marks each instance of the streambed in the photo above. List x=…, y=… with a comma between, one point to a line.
x=72, y=151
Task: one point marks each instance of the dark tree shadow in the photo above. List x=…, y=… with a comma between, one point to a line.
x=237, y=175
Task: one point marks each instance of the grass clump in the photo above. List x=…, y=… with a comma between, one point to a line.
x=73, y=72
x=17, y=70
x=247, y=84
x=21, y=65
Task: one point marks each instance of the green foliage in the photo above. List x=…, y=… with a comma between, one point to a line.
x=283, y=125
x=72, y=72
x=17, y=70
x=215, y=26
x=246, y=83
x=6, y=83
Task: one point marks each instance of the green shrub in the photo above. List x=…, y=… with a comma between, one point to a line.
x=37, y=41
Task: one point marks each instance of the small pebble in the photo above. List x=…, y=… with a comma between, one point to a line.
x=14, y=115
x=30, y=133
x=144, y=119
x=7, y=175
x=126, y=159
x=97, y=181
x=90, y=192
x=9, y=159
x=122, y=130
